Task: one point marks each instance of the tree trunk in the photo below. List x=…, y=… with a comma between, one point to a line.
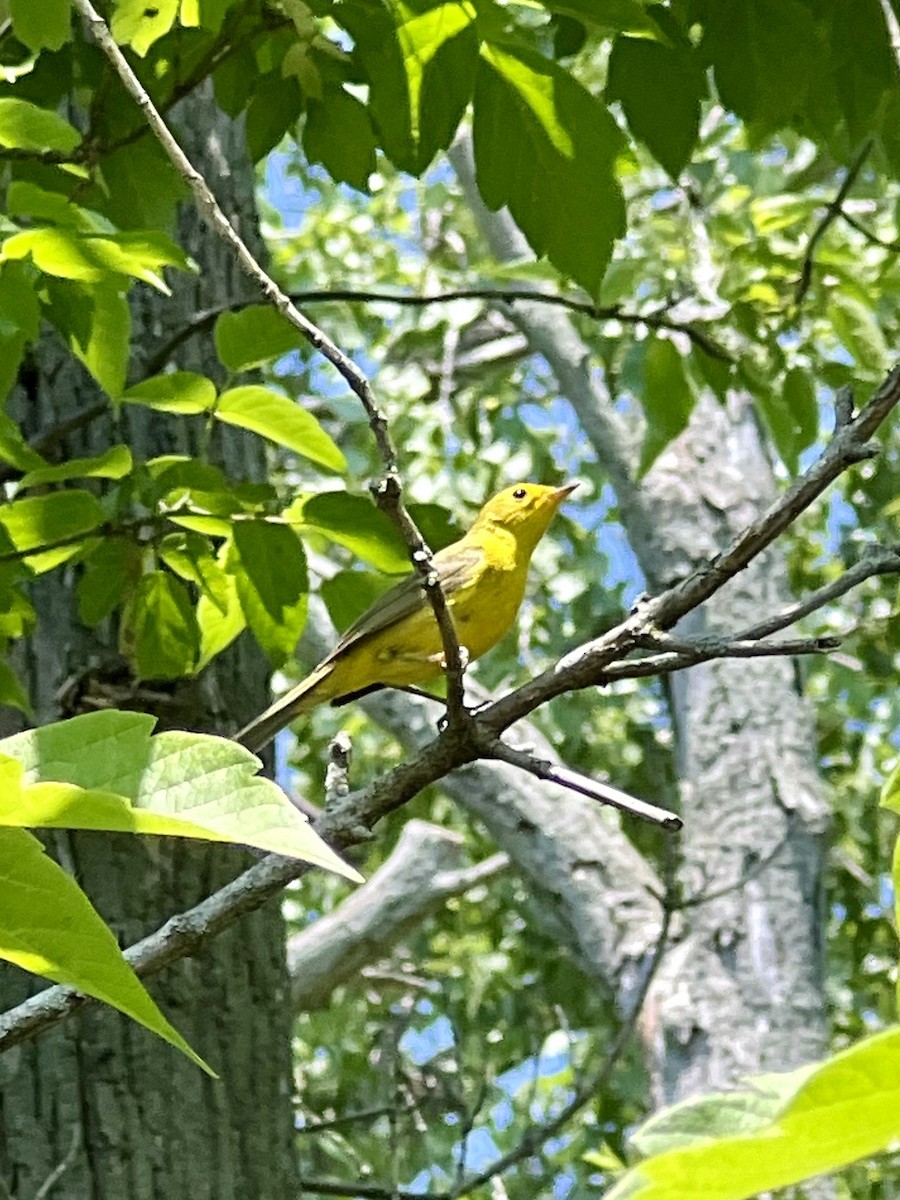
x=121, y=1111
x=742, y=991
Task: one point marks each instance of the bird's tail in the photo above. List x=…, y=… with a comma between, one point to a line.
x=301, y=699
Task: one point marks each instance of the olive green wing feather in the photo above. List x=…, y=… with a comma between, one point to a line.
x=456, y=566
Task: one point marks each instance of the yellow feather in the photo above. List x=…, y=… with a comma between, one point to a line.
x=397, y=643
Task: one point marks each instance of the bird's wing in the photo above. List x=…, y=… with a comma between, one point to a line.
x=455, y=566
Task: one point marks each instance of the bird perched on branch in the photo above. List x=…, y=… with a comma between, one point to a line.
x=397, y=642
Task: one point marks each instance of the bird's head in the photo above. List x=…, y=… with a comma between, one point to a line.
x=524, y=510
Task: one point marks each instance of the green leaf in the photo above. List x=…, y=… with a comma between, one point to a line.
x=43, y=26
x=13, y=447
x=890, y=796
x=253, y=336
x=338, y=134
x=219, y=627
x=421, y=35
x=420, y=70
x=111, y=568
x=176, y=391
x=137, y=24
x=45, y=520
x=792, y=417
x=19, y=307
x=844, y=1109
x=354, y=522
x=764, y=54
x=279, y=419
x=96, y=322
x=272, y=583
x=660, y=88
x=159, y=634
x=856, y=326
x=190, y=556
x=25, y=126
x=49, y=927
x=611, y=16
x=12, y=693
x=533, y=122
x=111, y=464
x=24, y=198
x=275, y=106
x=667, y=398
x=348, y=594
x=94, y=258
x=141, y=188
x=105, y=771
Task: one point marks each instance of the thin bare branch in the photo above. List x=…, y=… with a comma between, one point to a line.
x=872, y=238
x=832, y=212
x=875, y=560
x=657, y=319
x=585, y=786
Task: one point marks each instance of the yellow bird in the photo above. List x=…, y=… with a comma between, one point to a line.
x=397, y=643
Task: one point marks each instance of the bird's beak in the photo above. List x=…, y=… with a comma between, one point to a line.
x=562, y=492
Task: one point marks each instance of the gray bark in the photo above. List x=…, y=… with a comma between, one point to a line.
x=743, y=990
x=123, y=1113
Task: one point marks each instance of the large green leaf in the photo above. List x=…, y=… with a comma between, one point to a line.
x=272, y=583
x=419, y=66
x=25, y=126
x=112, y=566
x=611, y=16
x=49, y=927
x=792, y=415
x=43, y=26
x=859, y=329
x=354, y=522
x=219, y=625
x=92, y=258
x=138, y=24
x=660, y=88
x=845, y=1109
x=421, y=35
x=105, y=771
x=338, y=134
x=764, y=54
x=253, y=336
x=667, y=398
x=546, y=148
x=95, y=319
x=113, y=463
x=159, y=633
x=274, y=416
x=275, y=106
x=58, y=517
x=176, y=392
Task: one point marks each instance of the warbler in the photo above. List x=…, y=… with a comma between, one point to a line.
x=397, y=642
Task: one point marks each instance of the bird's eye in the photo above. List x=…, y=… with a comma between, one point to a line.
x=519, y=494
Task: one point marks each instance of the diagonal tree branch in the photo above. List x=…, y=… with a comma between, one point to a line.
x=350, y=819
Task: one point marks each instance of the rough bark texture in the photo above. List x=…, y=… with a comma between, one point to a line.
x=742, y=991
x=126, y=1114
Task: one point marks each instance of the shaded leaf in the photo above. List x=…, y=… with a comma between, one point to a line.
x=667, y=398
x=354, y=522
x=253, y=336
x=159, y=633
x=272, y=583
x=546, y=148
